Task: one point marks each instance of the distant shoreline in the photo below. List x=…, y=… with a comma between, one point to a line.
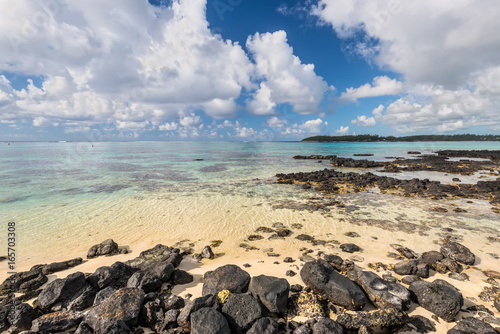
x=416, y=138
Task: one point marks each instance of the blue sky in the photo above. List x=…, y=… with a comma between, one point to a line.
x=247, y=70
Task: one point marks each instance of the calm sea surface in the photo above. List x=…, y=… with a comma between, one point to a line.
x=66, y=196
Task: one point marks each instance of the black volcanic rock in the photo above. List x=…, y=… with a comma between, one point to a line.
x=107, y=247
x=115, y=276
x=472, y=326
x=151, y=279
x=376, y=318
x=439, y=297
x=241, y=311
x=271, y=291
x=61, y=290
x=320, y=276
x=123, y=305
x=21, y=316
x=229, y=277
x=209, y=321
x=158, y=254
x=264, y=326
x=458, y=252
x=56, y=322
x=382, y=293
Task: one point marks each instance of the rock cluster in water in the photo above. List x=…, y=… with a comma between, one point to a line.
x=334, y=182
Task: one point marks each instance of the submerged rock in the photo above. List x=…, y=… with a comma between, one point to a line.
x=229, y=277
x=439, y=297
x=320, y=276
x=350, y=248
x=107, y=247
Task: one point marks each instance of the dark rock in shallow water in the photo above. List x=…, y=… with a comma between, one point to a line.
x=61, y=290
x=184, y=318
x=417, y=323
x=207, y=253
x=107, y=247
x=21, y=316
x=124, y=304
x=115, y=276
x=350, y=248
x=25, y=281
x=209, y=321
x=320, y=276
x=151, y=279
x=241, y=311
x=472, y=326
x=271, y=291
x=327, y=326
x=103, y=295
x=56, y=322
x=439, y=297
x=382, y=293
x=376, y=318
x=264, y=326
x=229, y=277
x=156, y=255
x=458, y=252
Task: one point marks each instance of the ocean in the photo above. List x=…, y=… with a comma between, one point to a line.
x=66, y=196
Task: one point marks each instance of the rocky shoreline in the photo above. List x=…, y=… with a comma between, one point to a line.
x=337, y=296
x=328, y=286
x=331, y=181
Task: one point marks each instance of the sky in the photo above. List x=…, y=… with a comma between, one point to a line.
x=247, y=69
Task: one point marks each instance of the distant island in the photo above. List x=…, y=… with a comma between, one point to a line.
x=377, y=138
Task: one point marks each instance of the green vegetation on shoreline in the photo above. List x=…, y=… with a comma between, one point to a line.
x=377, y=138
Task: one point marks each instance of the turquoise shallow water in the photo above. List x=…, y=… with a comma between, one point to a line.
x=61, y=192
x=34, y=174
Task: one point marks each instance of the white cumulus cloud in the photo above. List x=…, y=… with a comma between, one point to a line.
x=381, y=86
